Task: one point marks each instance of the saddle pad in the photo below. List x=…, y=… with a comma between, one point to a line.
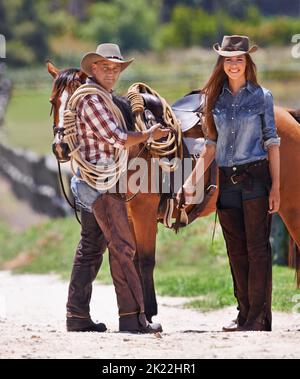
x=195, y=146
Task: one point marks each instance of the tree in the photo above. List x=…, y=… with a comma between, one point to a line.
x=27, y=40
x=123, y=22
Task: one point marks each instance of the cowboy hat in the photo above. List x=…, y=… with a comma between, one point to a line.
x=107, y=51
x=234, y=45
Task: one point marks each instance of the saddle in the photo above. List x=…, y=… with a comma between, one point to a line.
x=189, y=110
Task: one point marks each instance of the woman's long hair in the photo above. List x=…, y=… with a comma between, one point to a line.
x=213, y=88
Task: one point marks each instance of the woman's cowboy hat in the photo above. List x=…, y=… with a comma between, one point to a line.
x=234, y=45
x=107, y=51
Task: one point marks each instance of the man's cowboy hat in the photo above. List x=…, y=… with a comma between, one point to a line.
x=107, y=51
x=234, y=45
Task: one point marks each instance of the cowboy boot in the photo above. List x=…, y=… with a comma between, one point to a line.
x=87, y=262
x=258, y=228
x=138, y=324
x=233, y=228
x=111, y=215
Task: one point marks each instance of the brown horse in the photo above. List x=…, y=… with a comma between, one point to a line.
x=142, y=204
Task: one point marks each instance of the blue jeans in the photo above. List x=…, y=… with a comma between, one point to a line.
x=84, y=195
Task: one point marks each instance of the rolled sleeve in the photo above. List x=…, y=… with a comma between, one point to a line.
x=272, y=142
x=270, y=135
x=101, y=121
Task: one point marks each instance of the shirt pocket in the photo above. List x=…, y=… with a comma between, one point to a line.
x=220, y=115
x=251, y=117
x=251, y=110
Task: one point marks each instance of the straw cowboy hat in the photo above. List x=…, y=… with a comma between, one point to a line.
x=234, y=45
x=107, y=51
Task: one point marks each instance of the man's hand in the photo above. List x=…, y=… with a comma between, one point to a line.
x=158, y=132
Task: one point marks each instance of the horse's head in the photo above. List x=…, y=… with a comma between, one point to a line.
x=65, y=84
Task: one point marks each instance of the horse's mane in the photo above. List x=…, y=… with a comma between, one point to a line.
x=68, y=79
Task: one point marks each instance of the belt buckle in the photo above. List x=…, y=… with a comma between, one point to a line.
x=233, y=181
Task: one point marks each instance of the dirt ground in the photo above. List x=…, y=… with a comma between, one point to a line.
x=32, y=325
x=32, y=319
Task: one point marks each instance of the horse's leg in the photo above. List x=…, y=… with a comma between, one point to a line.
x=143, y=213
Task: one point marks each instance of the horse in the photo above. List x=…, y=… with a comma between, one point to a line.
x=67, y=81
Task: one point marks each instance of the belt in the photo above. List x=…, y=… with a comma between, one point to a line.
x=237, y=174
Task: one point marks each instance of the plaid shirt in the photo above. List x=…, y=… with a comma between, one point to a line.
x=98, y=133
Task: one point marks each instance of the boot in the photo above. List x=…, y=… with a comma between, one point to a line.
x=232, y=222
x=138, y=324
x=258, y=228
x=86, y=265
x=77, y=324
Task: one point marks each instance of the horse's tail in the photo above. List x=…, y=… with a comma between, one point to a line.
x=294, y=259
x=298, y=266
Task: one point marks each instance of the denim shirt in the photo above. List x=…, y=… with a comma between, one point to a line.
x=245, y=124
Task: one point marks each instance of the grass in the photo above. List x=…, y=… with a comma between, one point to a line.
x=27, y=122
x=187, y=264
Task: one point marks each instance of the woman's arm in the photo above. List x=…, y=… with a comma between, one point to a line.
x=272, y=143
x=274, y=159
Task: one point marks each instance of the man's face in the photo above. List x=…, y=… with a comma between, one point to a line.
x=106, y=73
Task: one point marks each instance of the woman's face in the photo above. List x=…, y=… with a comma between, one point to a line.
x=235, y=67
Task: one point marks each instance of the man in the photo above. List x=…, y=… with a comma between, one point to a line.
x=104, y=216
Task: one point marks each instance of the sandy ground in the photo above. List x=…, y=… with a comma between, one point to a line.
x=32, y=325
x=32, y=319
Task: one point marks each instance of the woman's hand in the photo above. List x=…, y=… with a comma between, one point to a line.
x=274, y=200
x=188, y=197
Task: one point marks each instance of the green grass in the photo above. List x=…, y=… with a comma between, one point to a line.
x=27, y=121
x=187, y=264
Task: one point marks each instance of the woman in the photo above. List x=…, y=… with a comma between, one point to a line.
x=242, y=137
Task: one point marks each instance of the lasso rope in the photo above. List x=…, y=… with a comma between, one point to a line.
x=173, y=145
x=101, y=176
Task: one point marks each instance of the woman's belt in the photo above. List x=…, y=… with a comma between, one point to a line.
x=239, y=174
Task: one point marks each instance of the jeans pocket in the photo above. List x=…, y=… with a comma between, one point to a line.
x=84, y=195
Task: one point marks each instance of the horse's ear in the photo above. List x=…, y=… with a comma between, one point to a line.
x=53, y=71
x=82, y=76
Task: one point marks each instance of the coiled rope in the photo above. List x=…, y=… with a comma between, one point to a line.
x=99, y=176
x=172, y=147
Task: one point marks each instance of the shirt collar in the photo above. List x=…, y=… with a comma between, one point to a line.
x=91, y=80
x=249, y=86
